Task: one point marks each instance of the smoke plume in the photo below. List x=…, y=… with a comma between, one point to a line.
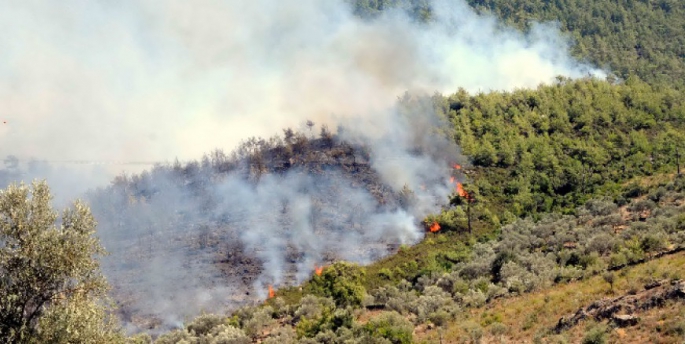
x=102, y=82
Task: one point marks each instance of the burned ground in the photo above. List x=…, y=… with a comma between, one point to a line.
x=177, y=238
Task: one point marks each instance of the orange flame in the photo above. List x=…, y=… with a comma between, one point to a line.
x=461, y=191
x=272, y=293
x=434, y=227
x=452, y=180
x=457, y=167
x=318, y=270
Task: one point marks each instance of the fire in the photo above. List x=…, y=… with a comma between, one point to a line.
x=272, y=293
x=461, y=191
x=452, y=180
x=318, y=270
x=457, y=167
x=434, y=227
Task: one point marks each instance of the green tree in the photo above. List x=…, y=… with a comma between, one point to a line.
x=342, y=282
x=51, y=288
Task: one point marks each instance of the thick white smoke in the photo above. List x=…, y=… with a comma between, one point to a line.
x=148, y=80
x=155, y=80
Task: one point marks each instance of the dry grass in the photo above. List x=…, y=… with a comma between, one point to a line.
x=535, y=314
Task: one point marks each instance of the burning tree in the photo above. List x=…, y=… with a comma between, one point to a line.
x=465, y=196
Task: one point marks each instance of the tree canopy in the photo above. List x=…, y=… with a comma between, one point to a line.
x=51, y=287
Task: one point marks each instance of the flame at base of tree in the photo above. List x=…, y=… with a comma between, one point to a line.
x=272, y=293
x=461, y=191
x=434, y=227
x=318, y=270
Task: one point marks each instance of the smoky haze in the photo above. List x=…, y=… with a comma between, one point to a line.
x=155, y=80
x=147, y=80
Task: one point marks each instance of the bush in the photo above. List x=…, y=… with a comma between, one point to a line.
x=595, y=334
x=498, y=329
x=433, y=300
x=642, y=205
x=673, y=327
x=474, y=298
x=341, y=281
x=260, y=319
x=653, y=242
x=282, y=335
x=225, y=334
x=600, y=207
x=313, y=307
x=174, y=337
x=474, y=331
x=204, y=324
x=617, y=259
x=391, y=326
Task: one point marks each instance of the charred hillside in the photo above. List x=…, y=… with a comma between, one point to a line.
x=216, y=233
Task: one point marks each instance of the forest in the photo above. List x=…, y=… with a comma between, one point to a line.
x=573, y=187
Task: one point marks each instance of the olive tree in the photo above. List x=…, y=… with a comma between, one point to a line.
x=51, y=287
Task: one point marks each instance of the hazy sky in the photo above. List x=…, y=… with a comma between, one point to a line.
x=154, y=80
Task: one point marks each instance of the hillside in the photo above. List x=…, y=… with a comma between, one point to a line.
x=622, y=206
x=235, y=225
x=537, y=315
x=553, y=214
x=402, y=297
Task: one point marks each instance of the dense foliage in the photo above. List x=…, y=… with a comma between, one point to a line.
x=553, y=148
x=50, y=283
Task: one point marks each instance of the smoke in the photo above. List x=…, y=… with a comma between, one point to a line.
x=155, y=80
x=147, y=80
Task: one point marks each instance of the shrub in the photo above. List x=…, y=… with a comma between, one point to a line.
x=474, y=298
x=204, y=324
x=473, y=330
x=653, y=242
x=673, y=327
x=141, y=338
x=343, y=282
x=498, y=329
x=174, y=337
x=226, y=334
x=282, y=335
x=497, y=264
x=595, y=334
x=657, y=195
x=642, y=205
x=391, y=326
x=610, y=278
x=260, y=319
x=313, y=307
x=602, y=244
x=433, y=300
x=600, y=207
x=617, y=259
